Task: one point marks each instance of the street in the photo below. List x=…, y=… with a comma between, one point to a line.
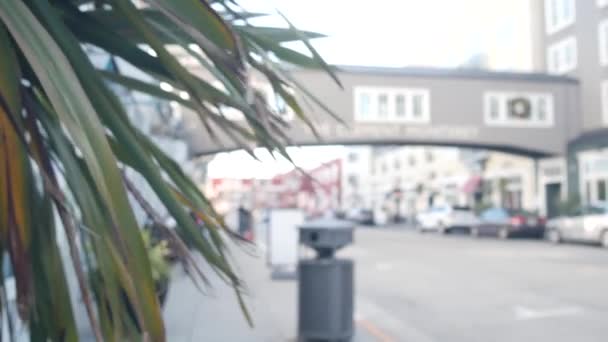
x=414, y=287
x=424, y=287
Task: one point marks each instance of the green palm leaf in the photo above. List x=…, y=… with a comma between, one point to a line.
x=66, y=144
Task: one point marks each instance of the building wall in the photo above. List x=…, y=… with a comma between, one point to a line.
x=356, y=182
x=455, y=111
x=537, y=32
x=589, y=71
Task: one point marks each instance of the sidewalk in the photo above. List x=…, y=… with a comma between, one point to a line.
x=216, y=316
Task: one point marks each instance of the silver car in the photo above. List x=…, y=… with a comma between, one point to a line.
x=584, y=224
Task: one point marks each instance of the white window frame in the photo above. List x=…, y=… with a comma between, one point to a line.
x=602, y=36
x=557, y=66
x=562, y=22
x=392, y=93
x=503, y=119
x=604, y=101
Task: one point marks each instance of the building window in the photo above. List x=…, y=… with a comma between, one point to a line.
x=541, y=104
x=494, y=107
x=382, y=105
x=353, y=181
x=400, y=105
x=518, y=109
x=397, y=164
x=601, y=190
x=276, y=102
x=562, y=56
x=353, y=157
x=280, y=105
x=603, y=42
x=405, y=105
x=559, y=14
x=429, y=156
x=412, y=160
x=604, y=97
x=364, y=107
x=418, y=104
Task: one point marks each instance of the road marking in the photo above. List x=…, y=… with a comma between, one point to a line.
x=523, y=313
x=384, y=266
x=374, y=330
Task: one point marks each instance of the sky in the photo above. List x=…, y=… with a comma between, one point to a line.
x=402, y=32
x=443, y=33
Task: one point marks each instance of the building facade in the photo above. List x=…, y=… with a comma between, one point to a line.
x=356, y=182
x=405, y=180
x=572, y=40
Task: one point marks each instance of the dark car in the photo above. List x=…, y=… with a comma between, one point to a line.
x=361, y=216
x=504, y=223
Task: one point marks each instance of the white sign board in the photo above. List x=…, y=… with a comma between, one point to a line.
x=283, y=236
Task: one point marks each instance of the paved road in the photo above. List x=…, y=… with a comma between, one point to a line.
x=421, y=288
x=414, y=287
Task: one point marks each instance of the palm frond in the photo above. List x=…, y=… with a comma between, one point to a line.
x=67, y=140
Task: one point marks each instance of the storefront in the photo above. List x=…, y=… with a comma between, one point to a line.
x=509, y=182
x=593, y=167
x=551, y=185
x=587, y=163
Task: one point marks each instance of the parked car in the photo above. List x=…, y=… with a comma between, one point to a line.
x=445, y=219
x=584, y=224
x=505, y=223
x=361, y=216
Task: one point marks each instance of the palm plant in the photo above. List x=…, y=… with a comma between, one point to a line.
x=66, y=140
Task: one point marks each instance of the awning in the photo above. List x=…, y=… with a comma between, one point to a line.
x=472, y=184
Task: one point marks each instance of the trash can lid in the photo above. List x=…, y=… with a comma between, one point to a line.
x=327, y=223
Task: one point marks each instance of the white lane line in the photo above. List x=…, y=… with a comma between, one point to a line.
x=523, y=313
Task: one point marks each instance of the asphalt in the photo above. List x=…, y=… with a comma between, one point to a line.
x=420, y=287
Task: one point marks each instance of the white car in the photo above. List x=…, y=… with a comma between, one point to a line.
x=446, y=218
x=585, y=224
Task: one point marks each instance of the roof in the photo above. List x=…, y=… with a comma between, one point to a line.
x=593, y=137
x=455, y=73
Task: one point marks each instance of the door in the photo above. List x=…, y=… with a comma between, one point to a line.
x=553, y=194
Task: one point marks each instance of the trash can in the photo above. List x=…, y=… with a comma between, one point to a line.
x=325, y=283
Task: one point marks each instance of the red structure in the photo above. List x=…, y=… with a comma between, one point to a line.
x=315, y=191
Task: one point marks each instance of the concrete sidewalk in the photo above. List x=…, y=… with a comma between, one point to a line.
x=215, y=315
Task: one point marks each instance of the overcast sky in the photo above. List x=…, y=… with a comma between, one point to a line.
x=403, y=32
x=389, y=33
